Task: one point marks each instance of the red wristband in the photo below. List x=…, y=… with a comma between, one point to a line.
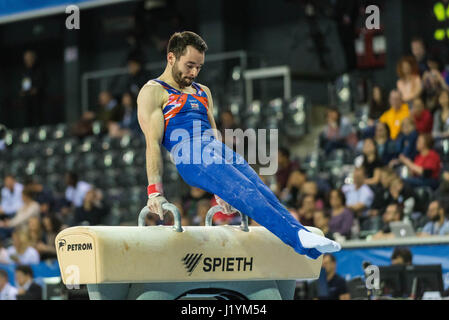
x=155, y=188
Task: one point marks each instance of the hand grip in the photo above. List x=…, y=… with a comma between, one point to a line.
x=212, y=211
x=165, y=206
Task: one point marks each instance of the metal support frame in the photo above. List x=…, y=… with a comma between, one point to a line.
x=263, y=73
x=240, y=54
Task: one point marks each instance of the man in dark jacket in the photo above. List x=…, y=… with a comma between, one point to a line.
x=28, y=289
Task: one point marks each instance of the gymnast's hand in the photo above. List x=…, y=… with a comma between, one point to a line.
x=155, y=202
x=227, y=208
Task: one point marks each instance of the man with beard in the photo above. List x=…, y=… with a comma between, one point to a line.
x=438, y=224
x=177, y=112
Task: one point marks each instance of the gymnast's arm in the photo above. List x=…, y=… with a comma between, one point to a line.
x=151, y=121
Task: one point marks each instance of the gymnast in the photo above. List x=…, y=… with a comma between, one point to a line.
x=177, y=113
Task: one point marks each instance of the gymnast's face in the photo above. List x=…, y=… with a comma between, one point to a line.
x=187, y=67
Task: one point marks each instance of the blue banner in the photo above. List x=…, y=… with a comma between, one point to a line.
x=349, y=261
x=9, y=7
x=41, y=270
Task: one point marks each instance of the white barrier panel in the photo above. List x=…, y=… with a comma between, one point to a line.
x=122, y=254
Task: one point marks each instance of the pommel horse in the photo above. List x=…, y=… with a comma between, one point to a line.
x=176, y=262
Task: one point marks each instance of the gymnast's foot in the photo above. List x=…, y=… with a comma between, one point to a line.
x=322, y=244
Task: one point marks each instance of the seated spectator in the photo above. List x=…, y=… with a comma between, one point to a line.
x=359, y=195
x=11, y=197
x=341, y=217
x=404, y=195
x=426, y=166
x=285, y=167
x=382, y=195
x=441, y=117
x=406, y=141
x=306, y=210
x=439, y=223
x=386, y=148
x=338, y=133
x=76, y=189
x=42, y=195
x=27, y=289
x=108, y=109
x=371, y=162
x=7, y=291
x=4, y=257
x=336, y=285
x=35, y=230
x=190, y=204
x=21, y=252
x=443, y=190
x=311, y=188
x=128, y=122
x=398, y=111
x=433, y=81
x=84, y=126
x=377, y=105
x=418, y=49
x=409, y=82
x=401, y=256
x=291, y=193
x=421, y=116
x=52, y=226
x=93, y=209
x=321, y=221
x=29, y=209
x=393, y=213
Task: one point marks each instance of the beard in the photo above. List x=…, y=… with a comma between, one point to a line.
x=179, y=78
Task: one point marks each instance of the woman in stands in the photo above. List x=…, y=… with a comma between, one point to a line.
x=371, y=162
x=409, y=83
x=341, y=217
x=426, y=167
x=441, y=118
x=385, y=146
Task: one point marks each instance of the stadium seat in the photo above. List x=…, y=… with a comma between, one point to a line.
x=60, y=131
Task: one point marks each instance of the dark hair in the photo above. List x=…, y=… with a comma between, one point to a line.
x=418, y=39
x=56, y=223
x=387, y=127
x=284, y=151
x=399, y=209
x=428, y=140
x=25, y=269
x=340, y=194
x=4, y=274
x=73, y=176
x=404, y=253
x=180, y=40
x=376, y=154
x=330, y=256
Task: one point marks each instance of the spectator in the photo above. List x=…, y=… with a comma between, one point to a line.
x=21, y=252
x=382, y=195
x=285, y=167
x=371, y=162
x=386, y=148
x=426, y=166
x=321, y=221
x=401, y=256
x=227, y=121
x=35, y=231
x=93, y=209
x=29, y=209
x=11, y=198
x=338, y=133
x=443, y=190
x=108, y=109
x=359, y=195
x=409, y=83
x=404, y=195
x=336, y=284
x=76, y=189
x=341, y=217
x=7, y=291
x=137, y=77
x=46, y=247
x=421, y=116
x=406, y=141
x=393, y=213
x=290, y=194
x=441, y=117
x=128, y=123
x=398, y=111
x=43, y=195
x=306, y=210
x=4, y=257
x=32, y=89
x=418, y=49
x=377, y=105
x=311, y=188
x=28, y=289
x=84, y=126
x=190, y=204
x=438, y=224
x=433, y=82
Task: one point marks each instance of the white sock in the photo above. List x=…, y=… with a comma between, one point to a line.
x=322, y=244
